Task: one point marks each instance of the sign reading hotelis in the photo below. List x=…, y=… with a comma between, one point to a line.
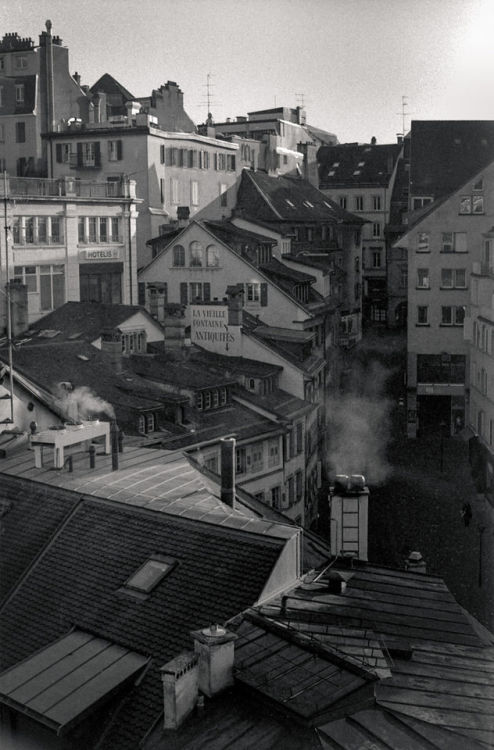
x=110, y=253
x=210, y=323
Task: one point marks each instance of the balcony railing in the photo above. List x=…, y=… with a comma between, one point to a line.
x=65, y=187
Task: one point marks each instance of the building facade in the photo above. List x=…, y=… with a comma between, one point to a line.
x=68, y=242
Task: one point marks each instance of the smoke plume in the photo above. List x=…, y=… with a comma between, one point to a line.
x=359, y=424
x=81, y=403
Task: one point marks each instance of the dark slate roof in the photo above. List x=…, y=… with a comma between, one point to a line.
x=323, y=262
x=228, y=232
x=287, y=199
x=84, y=366
x=294, y=352
x=374, y=164
x=29, y=516
x=447, y=153
x=232, y=366
x=279, y=402
x=78, y=582
x=109, y=85
x=180, y=372
x=278, y=270
x=84, y=320
x=9, y=104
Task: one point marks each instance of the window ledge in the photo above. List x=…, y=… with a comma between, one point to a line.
x=423, y=288
x=422, y=325
x=450, y=325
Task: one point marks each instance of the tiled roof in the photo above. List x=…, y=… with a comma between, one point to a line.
x=353, y=164
x=233, y=366
x=279, y=402
x=447, y=153
x=287, y=199
x=321, y=262
x=277, y=269
x=29, y=516
x=181, y=372
x=293, y=352
x=83, y=320
x=79, y=579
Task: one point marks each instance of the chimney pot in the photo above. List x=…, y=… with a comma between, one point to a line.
x=215, y=649
x=415, y=563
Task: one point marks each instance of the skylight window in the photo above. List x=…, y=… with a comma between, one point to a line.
x=328, y=205
x=357, y=171
x=74, y=336
x=308, y=204
x=361, y=163
x=331, y=173
x=48, y=333
x=336, y=164
x=290, y=203
x=83, y=357
x=150, y=574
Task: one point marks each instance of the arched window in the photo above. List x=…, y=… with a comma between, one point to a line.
x=196, y=253
x=212, y=256
x=179, y=255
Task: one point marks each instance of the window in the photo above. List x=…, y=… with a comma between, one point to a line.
x=423, y=242
x=151, y=573
x=162, y=154
x=376, y=202
x=291, y=490
x=90, y=154
x=299, y=437
x=199, y=291
x=19, y=93
x=453, y=278
x=174, y=190
x=27, y=275
x=63, y=152
x=240, y=460
x=194, y=192
x=273, y=452
x=422, y=315
x=115, y=150
x=420, y=202
x=99, y=286
x=52, y=287
x=452, y=315
x=376, y=229
x=342, y=201
x=196, y=253
x=359, y=203
x=454, y=242
x=276, y=497
x=134, y=341
x=423, y=278
x=212, y=256
x=376, y=259
x=2, y=127
x=92, y=233
x=357, y=265
x=103, y=229
x=115, y=229
x=472, y=204
x=178, y=256
x=223, y=195
x=20, y=132
x=21, y=62
x=299, y=486
x=253, y=292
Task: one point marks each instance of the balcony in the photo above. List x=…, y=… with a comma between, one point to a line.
x=65, y=187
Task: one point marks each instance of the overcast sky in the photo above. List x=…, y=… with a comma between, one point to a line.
x=352, y=60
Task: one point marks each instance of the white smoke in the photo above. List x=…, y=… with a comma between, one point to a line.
x=359, y=425
x=81, y=403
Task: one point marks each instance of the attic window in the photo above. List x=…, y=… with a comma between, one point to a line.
x=151, y=573
x=290, y=203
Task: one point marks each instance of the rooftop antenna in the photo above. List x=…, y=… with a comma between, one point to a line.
x=300, y=99
x=209, y=96
x=9, y=310
x=404, y=114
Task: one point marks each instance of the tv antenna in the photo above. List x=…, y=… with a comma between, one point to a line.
x=209, y=95
x=300, y=99
x=404, y=114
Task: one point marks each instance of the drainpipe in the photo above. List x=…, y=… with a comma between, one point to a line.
x=50, y=87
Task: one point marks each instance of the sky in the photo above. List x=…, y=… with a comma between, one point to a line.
x=349, y=62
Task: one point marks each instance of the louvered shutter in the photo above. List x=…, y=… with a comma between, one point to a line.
x=207, y=291
x=183, y=293
x=59, y=153
x=264, y=295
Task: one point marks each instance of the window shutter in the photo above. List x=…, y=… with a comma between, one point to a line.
x=215, y=161
x=264, y=295
x=206, y=291
x=97, y=154
x=119, y=150
x=162, y=154
x=79, y=154
x=59, y=153
x=141, y=293
x=183, y=292
x=195, y=159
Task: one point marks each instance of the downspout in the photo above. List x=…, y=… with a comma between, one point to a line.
x=130, y=256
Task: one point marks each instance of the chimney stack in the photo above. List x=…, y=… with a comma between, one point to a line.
x=174, y=325
x=235, y=295
x=111, y=343
x=77, y=78
x=180, y=678
x=18, y=307
x=215, y=649
x=228, y=471
x=415, y=563
x=349, y=501
x=183, y=214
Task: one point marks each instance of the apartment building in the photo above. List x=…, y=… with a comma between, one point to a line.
x=36, y=93
x=443, y=244
x=360, y=178
x=68, y=241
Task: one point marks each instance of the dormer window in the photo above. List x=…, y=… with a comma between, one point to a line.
x=19, y=93
x=147, y=577
x=212, y=398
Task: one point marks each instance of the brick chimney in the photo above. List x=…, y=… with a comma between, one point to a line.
x=174, y=324
x=180, y=678
x=111, y=343
x=215, y=648
x=183, y=215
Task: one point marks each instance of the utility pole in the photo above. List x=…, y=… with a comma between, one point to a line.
x=9, y=311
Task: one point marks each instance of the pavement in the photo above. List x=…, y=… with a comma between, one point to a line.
x=419, y=505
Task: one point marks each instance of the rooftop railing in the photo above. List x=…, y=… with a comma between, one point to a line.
x=65, y=187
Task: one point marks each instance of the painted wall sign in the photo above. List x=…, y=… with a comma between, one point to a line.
x=209, y=324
